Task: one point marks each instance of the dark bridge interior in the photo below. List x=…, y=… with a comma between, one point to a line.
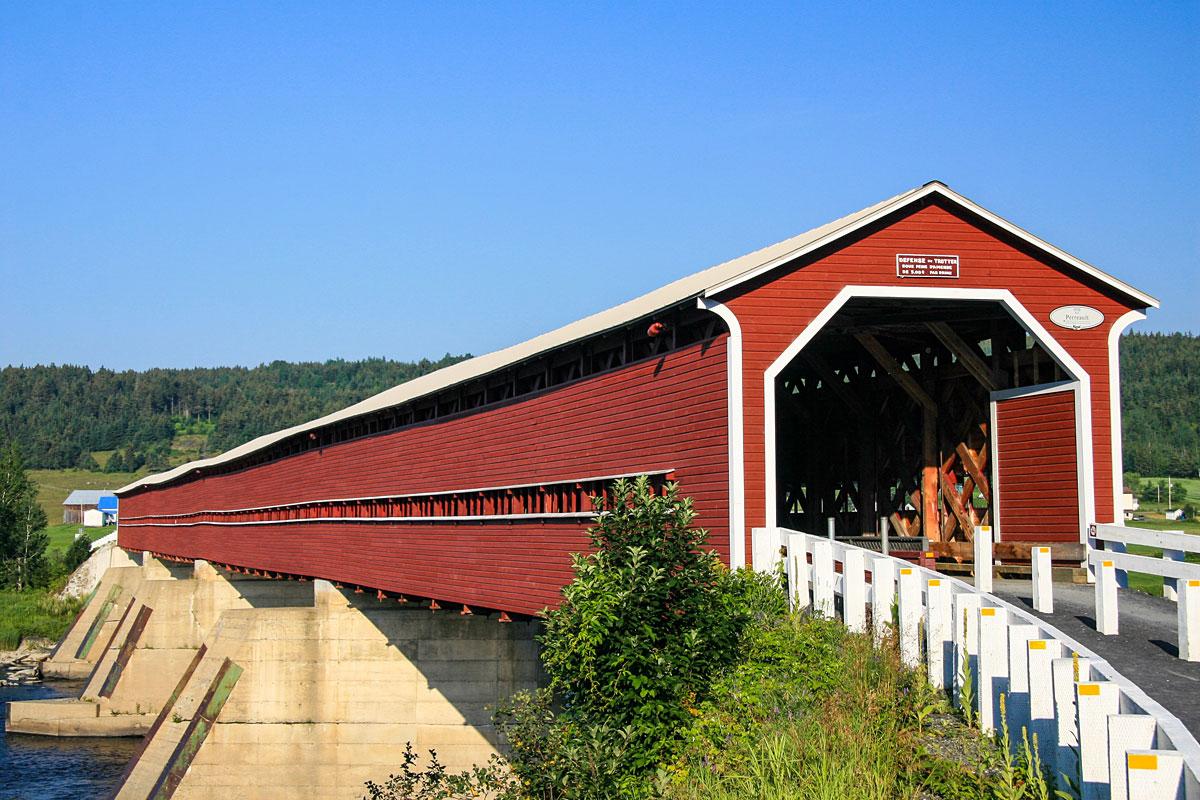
x=885, y=413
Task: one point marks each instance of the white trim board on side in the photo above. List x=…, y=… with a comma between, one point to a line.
x=737, y=461
x=1002, y=296
x=1114, y=409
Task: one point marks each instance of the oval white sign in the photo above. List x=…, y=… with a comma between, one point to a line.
x=1076, y=318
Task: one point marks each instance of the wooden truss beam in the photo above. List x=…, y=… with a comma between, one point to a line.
x=835, y=382
x=964, y=352
x=892, y=367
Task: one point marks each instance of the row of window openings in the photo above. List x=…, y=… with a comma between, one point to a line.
x=551, y=499
x=596, y=357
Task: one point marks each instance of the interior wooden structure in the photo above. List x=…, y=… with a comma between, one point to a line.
x=885, y=413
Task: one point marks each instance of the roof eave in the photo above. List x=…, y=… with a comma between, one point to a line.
x=936, y=187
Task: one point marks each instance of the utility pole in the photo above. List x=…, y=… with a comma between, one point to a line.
x=1170, y=486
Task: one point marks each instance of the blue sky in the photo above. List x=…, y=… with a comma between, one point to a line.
x=238, y=183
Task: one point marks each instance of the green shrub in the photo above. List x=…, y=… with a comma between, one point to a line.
x=492, y=781
x=79, y=552
x=650, y=617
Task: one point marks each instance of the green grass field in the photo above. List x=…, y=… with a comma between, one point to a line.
x=55, y=484
x=61, y=536
x=34, y=614
x=1152, y=584
x=1190, y=485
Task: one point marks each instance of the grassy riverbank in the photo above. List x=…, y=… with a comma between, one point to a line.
x=34, y=614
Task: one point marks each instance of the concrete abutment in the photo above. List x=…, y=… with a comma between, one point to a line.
x=276, y=688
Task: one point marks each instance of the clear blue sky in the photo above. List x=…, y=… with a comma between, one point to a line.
x=203, y=184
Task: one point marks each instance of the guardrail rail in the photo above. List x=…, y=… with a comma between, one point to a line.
x=1091, y=721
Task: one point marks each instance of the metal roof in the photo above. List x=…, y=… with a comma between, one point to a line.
x=87, y=497
x=705, y=283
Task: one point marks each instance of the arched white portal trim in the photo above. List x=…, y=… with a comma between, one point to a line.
x=1114, y=409
x=1002, y=296
x=737, y=459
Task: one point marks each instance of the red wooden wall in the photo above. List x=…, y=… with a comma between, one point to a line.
x=663, y=413
x=773, y=313
x=1038, y=464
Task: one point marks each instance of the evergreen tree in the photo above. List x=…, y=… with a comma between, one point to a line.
x=23, y=537
x=77, y=553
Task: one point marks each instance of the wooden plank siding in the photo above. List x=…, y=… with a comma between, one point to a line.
x=774, y=310
x=661, y=413
x=1038, y=464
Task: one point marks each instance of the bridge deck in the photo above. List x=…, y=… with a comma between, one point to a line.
x=1144, y=651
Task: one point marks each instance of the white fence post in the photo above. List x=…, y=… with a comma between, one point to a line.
x=1171, y=585
x=1106, y=599
x=910, y=617
x=983, y=558
x=1094, y=701
x=966, y=642
x=1154, y=774
x=1017, y=699
x=993, y=665
x=854, y=590
x=1043, y=581
x=797, y=571
x=764, y=548
x=884, y=547
x=883, y=591
x=1189, y=620
x=1042, y=655
x=823, y=577
x=830, y=526
x=1126, y=732
x=1062, y=671
x=939, y=639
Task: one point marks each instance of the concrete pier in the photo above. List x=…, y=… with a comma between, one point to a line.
x=266, y=688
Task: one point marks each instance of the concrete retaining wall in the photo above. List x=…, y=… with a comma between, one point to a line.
x=328, y=696
x=252, y=687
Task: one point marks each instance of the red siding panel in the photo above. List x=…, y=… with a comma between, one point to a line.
x=772, y=314
x=1038, y=463
x=663, y=413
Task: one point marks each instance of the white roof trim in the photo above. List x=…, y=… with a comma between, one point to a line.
x=704, y=283
x=888, y=207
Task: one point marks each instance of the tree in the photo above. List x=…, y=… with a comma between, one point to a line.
x=86, y=462
x=648, y=620
x=23, y=537
x=115, y=463
x=79, y=552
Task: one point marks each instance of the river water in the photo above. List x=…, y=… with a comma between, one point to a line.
x=54, y=768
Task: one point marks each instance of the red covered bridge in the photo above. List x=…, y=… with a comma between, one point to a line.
x=921, y=360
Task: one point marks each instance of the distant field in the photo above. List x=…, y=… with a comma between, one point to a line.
x=61, y=536
x=1152, y=584
x=1190, y=485
x=55, y=484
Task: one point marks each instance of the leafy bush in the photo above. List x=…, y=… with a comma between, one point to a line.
x=490, y=782
x=650, y=617
x=79, y=552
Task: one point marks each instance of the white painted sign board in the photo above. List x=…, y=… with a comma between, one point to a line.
x=1076, y=318
x=916, y=265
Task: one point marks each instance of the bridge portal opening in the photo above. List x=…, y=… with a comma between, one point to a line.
x=888, y=413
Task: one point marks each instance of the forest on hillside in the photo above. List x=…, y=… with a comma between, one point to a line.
x=1160, y=403
x=60, y=415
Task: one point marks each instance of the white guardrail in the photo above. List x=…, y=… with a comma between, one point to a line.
x=1091, y=722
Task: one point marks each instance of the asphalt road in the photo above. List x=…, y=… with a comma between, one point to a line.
x=1145, y=650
